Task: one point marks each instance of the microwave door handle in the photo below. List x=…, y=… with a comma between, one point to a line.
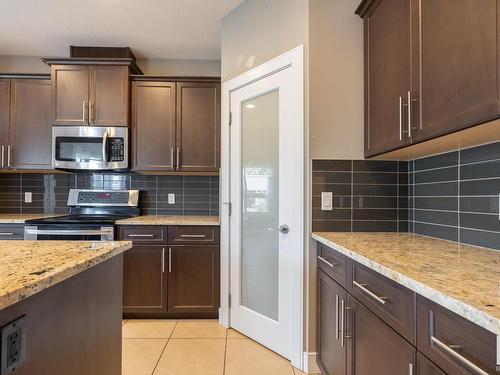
x=105, y=147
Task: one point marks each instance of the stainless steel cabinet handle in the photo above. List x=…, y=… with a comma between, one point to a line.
x=464, y=361
x=400, y=118
x=91, y=113
x=178, y=159
x=410, y=368
x=337, y=317
x=142, y=235
x=6, y=234
x=172, y=158
x=331, y=265
x=381, y=300
x=70, y=232
x=8, y=155
x=193, y=235
x=163, y=260
x=409, y=114
x=342, y=322
x=3, y=155
x=169, y=260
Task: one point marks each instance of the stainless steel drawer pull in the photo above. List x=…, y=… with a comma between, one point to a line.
x=381, y=300
x=342, y=322
x=331, y=265
x=337, y=317
x=464, y=361
x=193, y=235
x=142, y=235
x=6, y=234
x=169, y=259
x=163, y=260
x=3, y=155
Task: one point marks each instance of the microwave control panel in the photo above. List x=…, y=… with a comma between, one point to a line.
x=116, y=150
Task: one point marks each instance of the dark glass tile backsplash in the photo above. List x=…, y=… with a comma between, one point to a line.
x=194, y=195
x=455, y=196
x=367, y=195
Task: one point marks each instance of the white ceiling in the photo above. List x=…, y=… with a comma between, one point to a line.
x=165, y=29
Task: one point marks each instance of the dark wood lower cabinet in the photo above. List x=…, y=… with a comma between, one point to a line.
x=144, y=281
x=426, y=367
x=193, y=279
x=374, y=347
x=331, y=354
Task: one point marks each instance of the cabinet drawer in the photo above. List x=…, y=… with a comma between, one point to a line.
x=332, y=263
x=155, y=235
x=455, y=344
x=393, y=303
x=11, y=232
x=426, y=367
x=193, y=235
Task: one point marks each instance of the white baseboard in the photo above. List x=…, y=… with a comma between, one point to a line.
x=310, y=365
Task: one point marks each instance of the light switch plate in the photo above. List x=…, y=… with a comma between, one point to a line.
x=171, y=198
x=28, y=197
x=326, y=201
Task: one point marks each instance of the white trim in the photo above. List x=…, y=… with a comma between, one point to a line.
x=310, y=364
x=294, y=59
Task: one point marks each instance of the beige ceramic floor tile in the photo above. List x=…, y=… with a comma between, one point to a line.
x=192, y=357
x=148, y=329
x=246, y=357
x=234, y=334
x=197, y=329
x=140, y=356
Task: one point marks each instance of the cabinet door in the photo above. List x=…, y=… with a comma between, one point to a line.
x=70, y=94
x=30, y=127
x=198, y=126
x=109, y=88
x=144, y=282
x=426, y=367
x=331, y=352
x=388, y=76
x=4, y=118
x=375, y=348
x=153, y=126
x=458, y=54
x=193, y=279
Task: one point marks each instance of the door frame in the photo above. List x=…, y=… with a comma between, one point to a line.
x=294, y=60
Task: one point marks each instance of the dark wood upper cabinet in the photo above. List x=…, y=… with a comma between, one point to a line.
x=153, y=126
x=144, y=281
x=198, y=126
x=70, y=94
x=431, y=68
x=193, y=279
x=331, y=354
x=4, y=116
x=459, y=64
x=30, y=127
x=387, y=75
x=90, y=95
x=374, y=347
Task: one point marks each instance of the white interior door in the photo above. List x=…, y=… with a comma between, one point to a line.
x=266, y=224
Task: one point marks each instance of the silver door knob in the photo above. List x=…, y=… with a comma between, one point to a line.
x=284, y=229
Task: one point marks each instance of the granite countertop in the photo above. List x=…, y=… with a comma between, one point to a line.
x=464, y=279
x=21, y=218
x=28, y=267
x=170, y=220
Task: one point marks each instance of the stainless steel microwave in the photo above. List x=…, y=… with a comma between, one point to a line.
x=90, y=147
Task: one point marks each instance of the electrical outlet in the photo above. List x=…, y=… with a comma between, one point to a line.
x=28, y=197
x=13, y=346
x=326, y=201
x=171, y=198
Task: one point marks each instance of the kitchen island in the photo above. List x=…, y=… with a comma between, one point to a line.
x=67, y=298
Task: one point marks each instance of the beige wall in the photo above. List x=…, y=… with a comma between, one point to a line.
x=170, y=67
x=335, y=80
x=258, y=30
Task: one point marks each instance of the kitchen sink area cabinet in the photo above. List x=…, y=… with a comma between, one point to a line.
x=90, y=95
x=25, y=136
x=162, y=278
x=428, y=69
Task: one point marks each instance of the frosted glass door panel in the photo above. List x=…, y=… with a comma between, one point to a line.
x=260, y=204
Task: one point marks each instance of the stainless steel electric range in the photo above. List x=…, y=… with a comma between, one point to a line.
x=92, y=217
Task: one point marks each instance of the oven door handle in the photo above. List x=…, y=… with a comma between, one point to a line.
x=75, y=232
x=105, y=147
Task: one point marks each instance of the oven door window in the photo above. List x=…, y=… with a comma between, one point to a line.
x=79, y=149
